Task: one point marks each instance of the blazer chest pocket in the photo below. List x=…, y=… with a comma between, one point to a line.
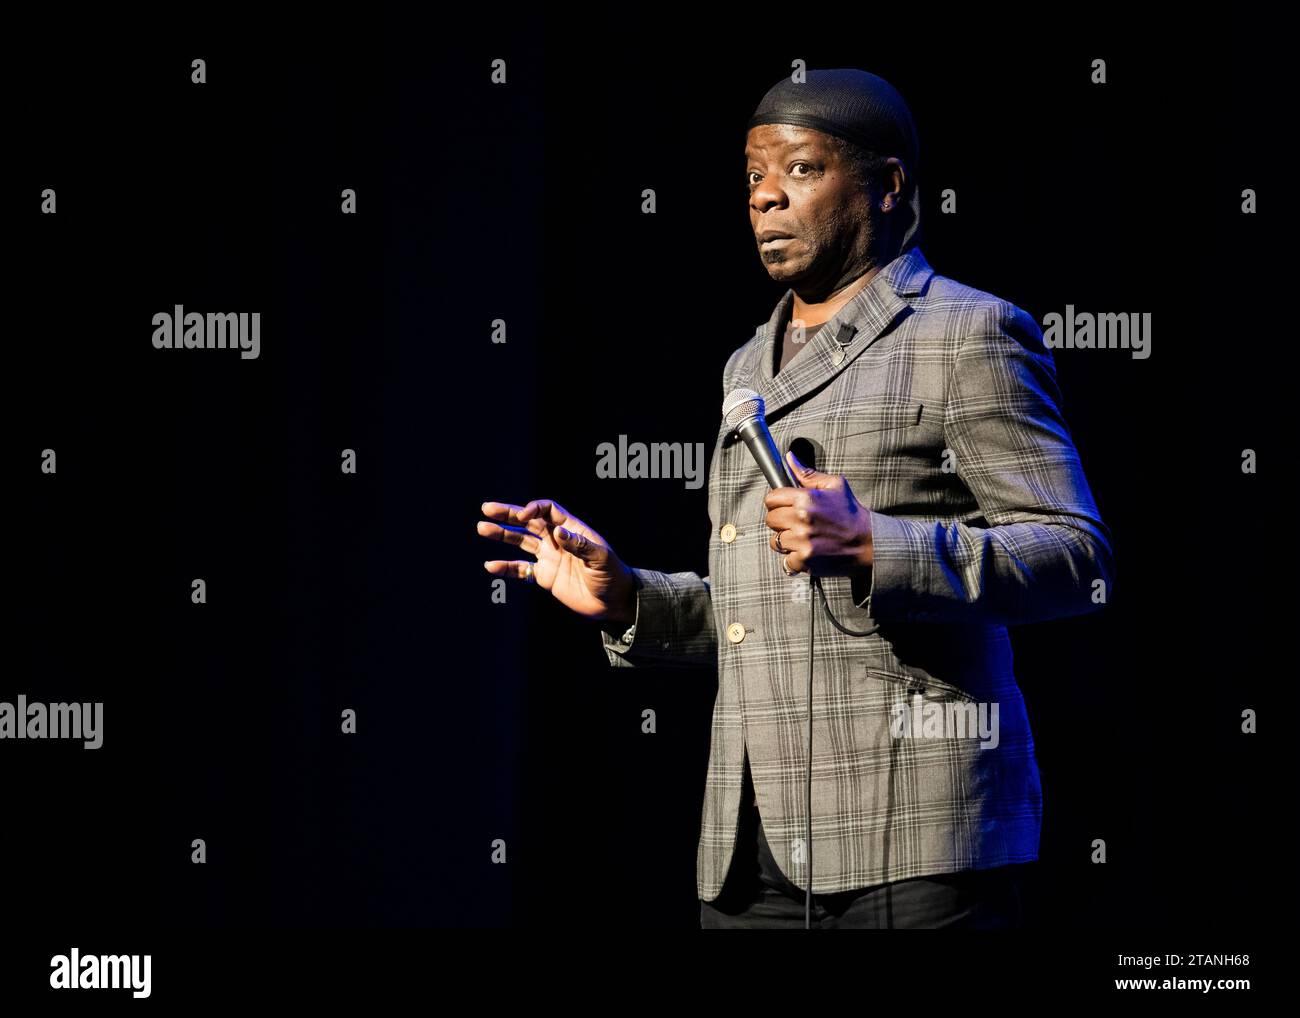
x=882, y=414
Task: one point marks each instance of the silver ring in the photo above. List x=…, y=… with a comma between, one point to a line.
x=778, y=544
x=785, y=562
x=528, y=574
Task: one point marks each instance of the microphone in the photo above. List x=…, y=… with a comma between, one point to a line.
x=743, y=410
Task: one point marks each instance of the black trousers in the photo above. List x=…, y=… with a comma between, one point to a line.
x=757, y=895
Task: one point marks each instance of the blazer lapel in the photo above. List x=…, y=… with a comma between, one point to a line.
x=856, y=325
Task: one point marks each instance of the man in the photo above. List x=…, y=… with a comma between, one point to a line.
x=948, y=503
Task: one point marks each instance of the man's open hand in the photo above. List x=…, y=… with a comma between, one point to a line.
x=574, y=562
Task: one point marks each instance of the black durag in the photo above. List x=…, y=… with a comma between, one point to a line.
x=859, y=107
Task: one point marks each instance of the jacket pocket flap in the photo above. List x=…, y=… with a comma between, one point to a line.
x=860, y=418
x=920, y=684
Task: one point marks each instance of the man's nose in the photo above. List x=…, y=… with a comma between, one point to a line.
x=767, y=197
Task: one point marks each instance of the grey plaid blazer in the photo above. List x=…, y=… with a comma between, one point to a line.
x=940, y=406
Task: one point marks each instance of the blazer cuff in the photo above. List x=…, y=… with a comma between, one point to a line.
x=651, y=629
x=891, y=572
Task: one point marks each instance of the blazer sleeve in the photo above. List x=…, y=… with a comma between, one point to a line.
x=673, y=625
x=1040, y=544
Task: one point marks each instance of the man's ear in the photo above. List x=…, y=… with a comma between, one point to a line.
x=894, y=182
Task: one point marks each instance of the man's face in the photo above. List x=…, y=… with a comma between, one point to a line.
x=798, y=185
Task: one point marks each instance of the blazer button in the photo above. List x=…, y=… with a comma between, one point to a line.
x=735, y=632
x=727, y=533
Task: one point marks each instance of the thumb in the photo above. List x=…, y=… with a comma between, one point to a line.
x=808, y=477
x=583, y=547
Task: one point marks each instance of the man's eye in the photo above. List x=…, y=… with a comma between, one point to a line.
x=749, y=177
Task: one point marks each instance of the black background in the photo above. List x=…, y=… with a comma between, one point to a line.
x=327, y=591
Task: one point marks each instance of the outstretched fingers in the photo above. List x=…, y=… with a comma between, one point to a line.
x=548, y=510
x=515, y=568
x=518, y=536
